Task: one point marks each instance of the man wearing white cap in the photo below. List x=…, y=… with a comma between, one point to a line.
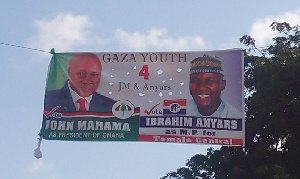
x=206, y=85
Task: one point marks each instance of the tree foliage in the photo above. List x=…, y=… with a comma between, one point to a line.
x=272, y=102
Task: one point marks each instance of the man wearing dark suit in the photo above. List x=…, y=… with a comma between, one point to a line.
x=79, y=91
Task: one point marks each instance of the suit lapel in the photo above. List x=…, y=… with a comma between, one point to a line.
x=68, y=101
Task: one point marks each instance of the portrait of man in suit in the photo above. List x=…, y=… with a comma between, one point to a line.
x=79, y=92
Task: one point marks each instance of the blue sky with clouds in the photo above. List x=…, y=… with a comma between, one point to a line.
x=128, y=25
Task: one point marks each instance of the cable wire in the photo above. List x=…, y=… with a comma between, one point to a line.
x=28, y=48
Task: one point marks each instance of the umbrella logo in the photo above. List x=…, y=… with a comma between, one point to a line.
x=123, y=109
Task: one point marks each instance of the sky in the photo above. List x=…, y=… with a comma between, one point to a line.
x=108, y=26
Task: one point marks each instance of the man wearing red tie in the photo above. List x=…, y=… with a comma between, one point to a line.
x=79, y=91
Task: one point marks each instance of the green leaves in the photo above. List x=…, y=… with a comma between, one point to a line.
x=272, y=97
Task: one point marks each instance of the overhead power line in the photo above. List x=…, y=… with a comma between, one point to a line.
x=28, y=48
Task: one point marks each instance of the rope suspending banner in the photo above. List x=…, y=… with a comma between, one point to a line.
x=28, y=48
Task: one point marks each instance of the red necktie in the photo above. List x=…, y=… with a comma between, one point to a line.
x=81, y=102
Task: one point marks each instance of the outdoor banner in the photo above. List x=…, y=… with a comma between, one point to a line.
x=179, y=97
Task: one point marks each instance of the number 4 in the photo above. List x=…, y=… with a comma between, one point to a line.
x=144, y=72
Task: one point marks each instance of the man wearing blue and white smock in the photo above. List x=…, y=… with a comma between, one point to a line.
x=206, y=84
